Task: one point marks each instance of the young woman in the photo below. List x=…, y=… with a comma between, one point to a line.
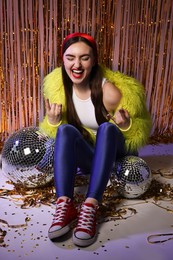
x=96, y=116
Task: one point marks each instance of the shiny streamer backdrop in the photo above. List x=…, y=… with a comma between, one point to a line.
x=133, y=36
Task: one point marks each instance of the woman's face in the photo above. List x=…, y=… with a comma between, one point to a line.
x=78, y=62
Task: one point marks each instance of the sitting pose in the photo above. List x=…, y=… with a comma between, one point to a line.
x=96, y=116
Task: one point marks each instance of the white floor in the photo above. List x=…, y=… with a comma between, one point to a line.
x=117, y=239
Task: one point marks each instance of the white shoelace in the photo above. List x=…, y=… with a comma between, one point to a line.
x=87, y=216
x=60, y=211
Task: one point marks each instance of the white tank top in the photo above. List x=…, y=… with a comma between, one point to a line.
x=86, y=111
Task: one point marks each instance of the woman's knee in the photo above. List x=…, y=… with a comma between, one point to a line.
x=67, y=131
x=65, y=128
x=110, y=132
x=108, y=127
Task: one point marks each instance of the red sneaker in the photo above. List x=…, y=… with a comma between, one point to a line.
x=64, y=216
x=85, y=232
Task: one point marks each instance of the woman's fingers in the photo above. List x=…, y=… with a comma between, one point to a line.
x=54, y=108
x=121, y=117
x=47, y=104
x=123, y=114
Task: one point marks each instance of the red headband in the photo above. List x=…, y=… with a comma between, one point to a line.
x=85, y=36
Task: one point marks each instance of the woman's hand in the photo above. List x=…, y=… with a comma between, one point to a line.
x=121, y=118
x=54, y=112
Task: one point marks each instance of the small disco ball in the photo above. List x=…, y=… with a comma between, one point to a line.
x=27, y=158
x=132, y=176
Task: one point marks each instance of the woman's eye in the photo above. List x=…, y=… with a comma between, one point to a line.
x=85, y=58
x=70, y=59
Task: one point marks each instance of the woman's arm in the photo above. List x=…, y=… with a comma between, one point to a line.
x=111, y=99
x=133, y=100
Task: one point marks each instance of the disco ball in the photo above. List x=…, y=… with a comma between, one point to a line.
x=132, y=176
x=27, y=158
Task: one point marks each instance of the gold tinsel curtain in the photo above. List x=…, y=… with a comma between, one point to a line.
x=133, y=36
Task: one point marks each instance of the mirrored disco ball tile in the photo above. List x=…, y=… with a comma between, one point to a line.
x=132, y=176
x=27, y=158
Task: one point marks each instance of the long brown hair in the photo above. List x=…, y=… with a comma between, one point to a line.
x=96, y=78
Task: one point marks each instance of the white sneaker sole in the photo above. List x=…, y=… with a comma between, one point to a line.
x=62, y=231
x=83, y=242
x=59, y=232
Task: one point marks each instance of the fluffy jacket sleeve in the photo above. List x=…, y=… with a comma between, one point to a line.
x=134, y=101
x=54, y=91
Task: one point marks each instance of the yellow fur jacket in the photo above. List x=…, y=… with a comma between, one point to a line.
x=133, y=100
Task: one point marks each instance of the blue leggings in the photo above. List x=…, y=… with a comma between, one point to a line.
x=72, y=151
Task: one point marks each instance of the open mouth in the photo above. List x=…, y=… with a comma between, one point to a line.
x=77, y=73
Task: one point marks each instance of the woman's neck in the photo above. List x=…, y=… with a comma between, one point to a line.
x=83, y=92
